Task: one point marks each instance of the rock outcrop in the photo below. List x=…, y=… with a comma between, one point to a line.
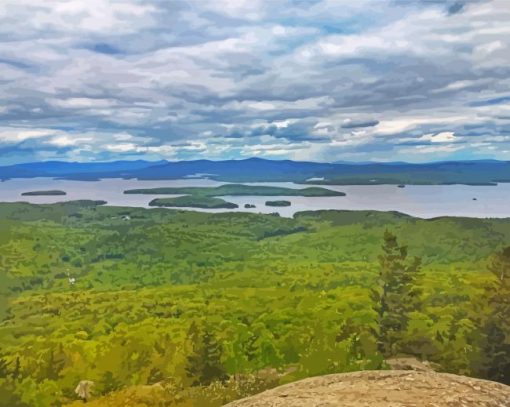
x=393, y=388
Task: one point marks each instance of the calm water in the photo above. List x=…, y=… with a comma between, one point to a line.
x=424, y=201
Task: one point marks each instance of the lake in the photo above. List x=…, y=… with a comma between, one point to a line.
x=425, y=201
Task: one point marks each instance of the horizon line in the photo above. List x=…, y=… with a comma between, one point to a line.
x=339, y=162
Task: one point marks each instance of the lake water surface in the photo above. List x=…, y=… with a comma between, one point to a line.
x=425, y=201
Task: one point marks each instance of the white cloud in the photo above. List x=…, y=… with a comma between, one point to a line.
x=444, y=137
x=80, y=103
x=300, y=104
x=66, y=140
x=74, y=16
x=12, y=135
x=433, y=149
x=279, y=149
x=233, y=78
x=243, y=9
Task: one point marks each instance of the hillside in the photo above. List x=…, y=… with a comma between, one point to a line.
x=218, y=307
x=384, y=389
x=262, y=170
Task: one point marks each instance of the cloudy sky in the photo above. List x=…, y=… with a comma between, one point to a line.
x=319, y=80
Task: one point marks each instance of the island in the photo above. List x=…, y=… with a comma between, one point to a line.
x=44, y=193
x=249, y=206
x=277, y=203
x=193, y=201
x=206, y=197
x=238, y=190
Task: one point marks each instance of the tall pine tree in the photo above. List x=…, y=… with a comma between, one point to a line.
x=109, y=383
x=56, y=362
x=16, y=371
x=396, y=294
x=204, y=364
x=497, y=327
x=4, y=367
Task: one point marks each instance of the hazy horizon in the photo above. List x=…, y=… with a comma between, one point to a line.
x=347, y=162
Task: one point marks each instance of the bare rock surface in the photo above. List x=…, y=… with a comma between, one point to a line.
x=410, y=363
x=392, y=388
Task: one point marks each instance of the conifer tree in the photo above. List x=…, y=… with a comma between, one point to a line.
x=396, y=294
x=16, y=371
x=204, y=364
x=497, y=327
x=4, y=367
x=109, y=383
x=56, y=362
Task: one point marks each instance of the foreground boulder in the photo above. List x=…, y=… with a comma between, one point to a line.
x=395, y=388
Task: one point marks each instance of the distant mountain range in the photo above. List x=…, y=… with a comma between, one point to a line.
x=483, y=172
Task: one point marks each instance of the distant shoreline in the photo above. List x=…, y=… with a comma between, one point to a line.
x=481, y=172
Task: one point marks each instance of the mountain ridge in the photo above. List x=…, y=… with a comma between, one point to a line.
x=475, y=172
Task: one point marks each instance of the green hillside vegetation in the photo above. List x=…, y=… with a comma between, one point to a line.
x=278, y=203
x=44, y=193
x=183, y=308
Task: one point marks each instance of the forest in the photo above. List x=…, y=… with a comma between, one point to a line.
x=177, y=308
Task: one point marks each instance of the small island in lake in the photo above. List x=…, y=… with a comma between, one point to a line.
x=249, y=206
x=193, y=201
x=401, y=186
x=277, y=203
x=44, y=193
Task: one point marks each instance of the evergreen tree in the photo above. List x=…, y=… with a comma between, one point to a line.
x=4, y=367
x=56, y=362
x=396, y=294
x=251, y=348
x=16, y=371
x=204, y=364
x=497, y=327
x=109, y=383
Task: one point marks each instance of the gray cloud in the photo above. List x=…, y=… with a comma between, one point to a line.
x=353, y=124
x=304, y=80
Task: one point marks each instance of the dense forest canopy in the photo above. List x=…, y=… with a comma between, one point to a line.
x=213, y=307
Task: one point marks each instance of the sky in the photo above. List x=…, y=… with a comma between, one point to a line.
x=315, y=80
